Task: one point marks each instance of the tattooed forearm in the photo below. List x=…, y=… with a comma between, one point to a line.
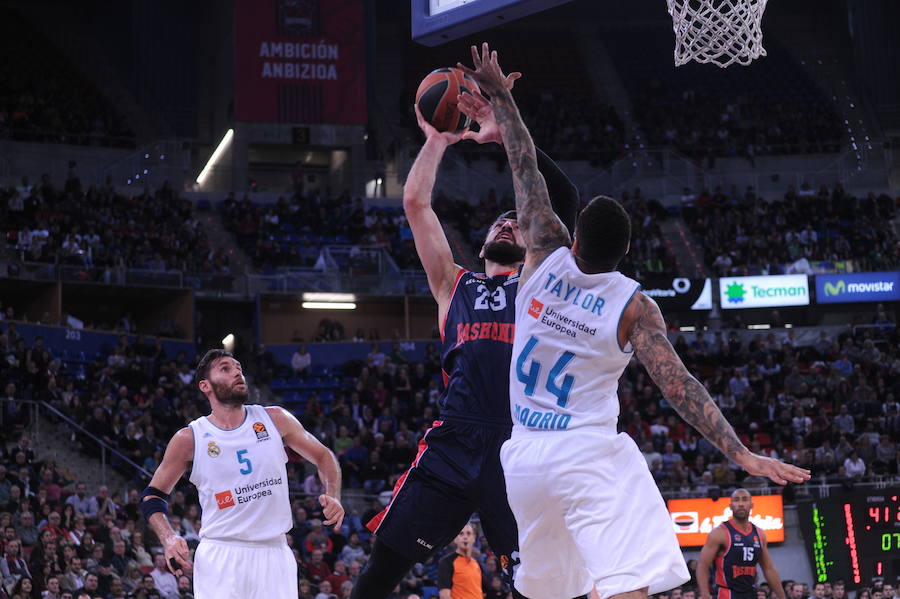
x=540, y=226
x=685, y=393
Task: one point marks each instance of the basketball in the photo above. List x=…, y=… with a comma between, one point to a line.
x=436, y=98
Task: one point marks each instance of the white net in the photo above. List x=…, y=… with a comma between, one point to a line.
x=722, y=32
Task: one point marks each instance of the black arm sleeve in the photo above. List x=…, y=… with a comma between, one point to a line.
x=445, y=572
x=564, y=196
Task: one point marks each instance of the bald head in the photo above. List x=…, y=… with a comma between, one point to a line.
x=741, y=505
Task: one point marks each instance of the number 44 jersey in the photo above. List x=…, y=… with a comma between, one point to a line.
x=567, y=360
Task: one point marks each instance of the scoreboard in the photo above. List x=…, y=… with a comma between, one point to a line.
x=853, y=536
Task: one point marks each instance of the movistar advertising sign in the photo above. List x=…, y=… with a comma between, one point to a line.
x=858, y=287
x=763, y=292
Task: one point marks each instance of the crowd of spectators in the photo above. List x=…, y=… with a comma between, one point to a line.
x=702, y=126
x=746, y=234
x=830, y=406
x=43, y=98
x=99, y=230
x=649, y=255
x=292, y=231
x=770, y=107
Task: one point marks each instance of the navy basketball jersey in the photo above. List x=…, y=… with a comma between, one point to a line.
x=736, y=566
x=477, y=337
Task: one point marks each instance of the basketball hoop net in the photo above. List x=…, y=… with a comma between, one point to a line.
x=722, y=32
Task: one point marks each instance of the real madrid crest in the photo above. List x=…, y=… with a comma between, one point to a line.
x=212, y=450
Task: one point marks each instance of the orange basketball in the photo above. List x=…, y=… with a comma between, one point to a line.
x=436, y=98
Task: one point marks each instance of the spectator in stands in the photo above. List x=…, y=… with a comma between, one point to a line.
x=73, y=576
x=301, y=360
x=13, y=565
x=316, y=568
x=325, y=591
x=854, y=466
x=90, y=585
x=163, y=580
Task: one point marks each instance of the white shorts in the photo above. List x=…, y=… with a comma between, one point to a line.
x=589, y=513
x=237, y=570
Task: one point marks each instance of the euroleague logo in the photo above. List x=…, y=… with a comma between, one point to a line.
x=224, y=500
x=260, y=429
x=686, y=522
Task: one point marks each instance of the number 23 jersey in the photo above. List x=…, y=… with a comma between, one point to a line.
x=477, y=336
x=567, y=361
x=241, y=478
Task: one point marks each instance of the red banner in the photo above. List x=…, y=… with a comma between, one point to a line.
x=300, y=61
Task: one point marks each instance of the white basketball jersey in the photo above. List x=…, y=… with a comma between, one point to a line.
x=241, y=478
x=567, y=361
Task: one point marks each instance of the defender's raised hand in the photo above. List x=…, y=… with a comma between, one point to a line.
x=487, y=72
x=476, y=107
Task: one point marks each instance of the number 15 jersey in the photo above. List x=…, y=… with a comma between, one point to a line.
x=567, y=361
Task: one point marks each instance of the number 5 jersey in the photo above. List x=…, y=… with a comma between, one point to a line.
x=241, y=478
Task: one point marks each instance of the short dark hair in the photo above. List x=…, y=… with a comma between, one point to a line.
x=508, y=215
x=603, y=232
x=206, y=363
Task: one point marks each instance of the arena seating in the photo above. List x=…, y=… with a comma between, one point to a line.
x=769, y=107
x=43, y=98
x=97, y=228
x=566, y=119
x=812, y=405
x=745, y=234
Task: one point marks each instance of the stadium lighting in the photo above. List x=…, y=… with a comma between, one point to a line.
x=687, y=329
x=228, y=342
x=759, y=327
x=329, y=297
x=217, y=153
x=329, y=305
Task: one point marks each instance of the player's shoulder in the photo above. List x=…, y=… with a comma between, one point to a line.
x=719, y=533
x=761, y=533
x=639, y=305
x=282, y=419
x=276, y=413
x=182, y=442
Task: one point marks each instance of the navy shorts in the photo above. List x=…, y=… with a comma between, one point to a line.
x=456, y=473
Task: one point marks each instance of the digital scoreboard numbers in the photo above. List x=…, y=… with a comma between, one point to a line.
x=853, y=536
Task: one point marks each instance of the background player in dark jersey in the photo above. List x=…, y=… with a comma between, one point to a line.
x=457, y=469
x=736, y=547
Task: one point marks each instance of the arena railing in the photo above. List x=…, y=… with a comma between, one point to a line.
x=816, y=488
x=109, y=455
x=68, y=137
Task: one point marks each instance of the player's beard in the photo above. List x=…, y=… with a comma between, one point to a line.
x=229, y=394
x=503, y=252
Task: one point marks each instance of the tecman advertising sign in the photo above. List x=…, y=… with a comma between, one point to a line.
x=858, y=287
x=764, y=292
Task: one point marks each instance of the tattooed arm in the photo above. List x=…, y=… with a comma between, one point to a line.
x=643, y=326
x=541, y=228
x=564, y=196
